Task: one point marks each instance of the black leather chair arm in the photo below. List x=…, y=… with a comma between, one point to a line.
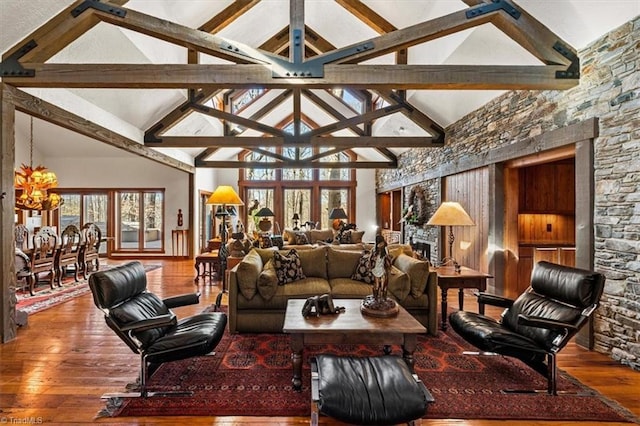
x=182, y=300
x=544, y=323
x=149, y=323
x=493, y=300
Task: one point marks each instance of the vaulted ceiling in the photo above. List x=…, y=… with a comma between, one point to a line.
x=166, y=73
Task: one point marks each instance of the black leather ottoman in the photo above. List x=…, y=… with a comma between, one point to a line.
x=367, y=391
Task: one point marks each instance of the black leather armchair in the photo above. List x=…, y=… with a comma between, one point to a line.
x=147, y=325
x=540, y=322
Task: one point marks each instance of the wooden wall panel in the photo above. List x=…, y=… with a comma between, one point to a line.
x=470, y=189
x=546, y=229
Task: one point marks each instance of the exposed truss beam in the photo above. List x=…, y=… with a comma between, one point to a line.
x=342, y=142
x=300, y=164
x=53, y=114
x=376, y=77
x=228, y=15
x=330, y=110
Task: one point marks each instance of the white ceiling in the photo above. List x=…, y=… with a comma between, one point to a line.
x=131, y=112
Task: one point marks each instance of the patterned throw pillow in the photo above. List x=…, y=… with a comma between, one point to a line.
x=288, y=267
x=345, y=237
x=363, y=269
x=301, y=238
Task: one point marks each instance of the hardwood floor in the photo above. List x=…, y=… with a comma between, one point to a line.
x=66, y=358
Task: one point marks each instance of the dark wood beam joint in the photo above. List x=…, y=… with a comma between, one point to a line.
x=11, y=66
x=151, y=135
x=573, y=71
x=314, y=68
x=96, y=4
x=495, y=5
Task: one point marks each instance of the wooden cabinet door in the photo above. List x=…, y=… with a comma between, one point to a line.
x=525, y=266
x=549, y=254
x=567, y=256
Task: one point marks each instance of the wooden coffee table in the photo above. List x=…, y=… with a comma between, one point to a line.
x=347, y=328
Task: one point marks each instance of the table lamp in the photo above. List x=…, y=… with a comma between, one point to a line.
x=296, y=221
x=337, y=214
x=450, y=214
x=265, y=224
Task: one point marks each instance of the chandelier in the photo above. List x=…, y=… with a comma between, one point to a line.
x=32, y=184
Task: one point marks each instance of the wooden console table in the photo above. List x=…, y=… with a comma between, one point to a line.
x=466, y=278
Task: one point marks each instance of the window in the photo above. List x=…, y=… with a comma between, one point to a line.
x=139, y=220
x=334, y=174
x=260, y=174
x=81, y=208
x=296, y=201
x=311, y=193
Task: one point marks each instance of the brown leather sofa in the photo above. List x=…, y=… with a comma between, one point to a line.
x=257, y=302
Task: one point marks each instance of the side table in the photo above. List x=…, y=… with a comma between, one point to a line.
x=466, y=278
x=210, y=260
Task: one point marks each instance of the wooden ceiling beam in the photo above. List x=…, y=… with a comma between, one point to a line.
x=348, y=122
x=375, y=77
x=228, y=16
x=58, y=32
x=300, y=164
x=531, y=34
x=187, y=37
x=342, y=142
x=382, y=26
x=367, y=15
x=441, y=27
x=252, y=124
x=53, y=114
x=330, y=110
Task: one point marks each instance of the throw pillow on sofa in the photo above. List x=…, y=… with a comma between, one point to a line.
x=314, y=262
x=288, y=267
x=356, y=236
x=341, y=263
x=301, y=238
x=418, y=270
x=268, y=281
x=248, y=270
x=318, y=235
x=363, y=269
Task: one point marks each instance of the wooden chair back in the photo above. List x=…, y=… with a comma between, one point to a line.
x=21, y=236
x=70, y=242
x=43, y=254
x=91, y=238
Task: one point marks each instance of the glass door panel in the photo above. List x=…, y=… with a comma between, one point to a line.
x=259, y=198
x=70, y=211
x=153, y=238
x=331, y=199
x=129, y=214
x=296, y=201
x=94, y=210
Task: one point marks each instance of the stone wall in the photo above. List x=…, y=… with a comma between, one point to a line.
x=609, y=90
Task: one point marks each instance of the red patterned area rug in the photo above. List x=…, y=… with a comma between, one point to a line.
x=250, y=375
x=45, y=297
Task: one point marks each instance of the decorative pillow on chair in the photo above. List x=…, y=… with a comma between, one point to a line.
x=363, y=269
x=301, y=238
x=288, y=267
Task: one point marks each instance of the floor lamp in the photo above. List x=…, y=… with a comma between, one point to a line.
x=450, y=214
x=224, y=196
